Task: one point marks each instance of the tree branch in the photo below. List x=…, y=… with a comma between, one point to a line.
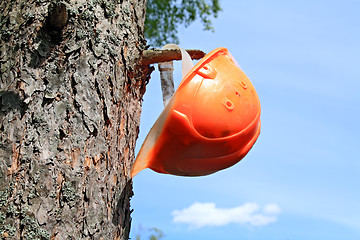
x=157, y=55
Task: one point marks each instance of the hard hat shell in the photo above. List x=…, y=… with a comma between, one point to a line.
x=210, y=123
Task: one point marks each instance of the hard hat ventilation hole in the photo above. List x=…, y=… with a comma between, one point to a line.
x=243, y=84
x=207, y=72
x=228, y=104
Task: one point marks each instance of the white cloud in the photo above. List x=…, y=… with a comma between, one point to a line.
x=272, y=209
x=207, y=214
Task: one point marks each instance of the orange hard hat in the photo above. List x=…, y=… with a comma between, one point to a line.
x=210, y=123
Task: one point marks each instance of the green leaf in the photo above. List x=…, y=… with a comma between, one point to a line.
x=163, y=17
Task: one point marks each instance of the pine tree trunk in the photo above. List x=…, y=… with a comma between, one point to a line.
x=70, y=101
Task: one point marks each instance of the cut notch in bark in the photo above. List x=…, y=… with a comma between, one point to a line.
x=58, y=15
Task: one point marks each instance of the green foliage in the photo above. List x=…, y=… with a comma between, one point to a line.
x=164, y=16
x=156, y=234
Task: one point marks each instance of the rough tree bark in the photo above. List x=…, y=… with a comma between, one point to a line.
x=70, y=101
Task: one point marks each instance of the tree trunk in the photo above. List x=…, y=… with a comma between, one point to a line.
x=70, y=101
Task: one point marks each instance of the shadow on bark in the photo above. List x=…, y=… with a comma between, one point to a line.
x=10, y=100
x=48, y=39
x=121, y=213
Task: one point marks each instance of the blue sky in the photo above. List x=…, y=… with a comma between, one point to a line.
x=302, y=175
